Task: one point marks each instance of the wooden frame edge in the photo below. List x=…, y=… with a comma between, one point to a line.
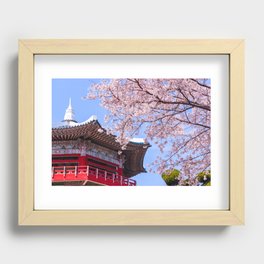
x=25, y=132
x=130, y=218
x=237, y=132
x=130, y=46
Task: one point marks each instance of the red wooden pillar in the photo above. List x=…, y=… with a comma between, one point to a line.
x=82, y=161
x=120, y=171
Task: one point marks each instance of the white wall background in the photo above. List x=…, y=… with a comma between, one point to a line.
x=132, y=19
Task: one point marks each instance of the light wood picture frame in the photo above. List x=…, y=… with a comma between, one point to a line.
x=28, y=216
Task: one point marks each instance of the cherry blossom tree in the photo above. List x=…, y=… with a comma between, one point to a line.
x=174, y=114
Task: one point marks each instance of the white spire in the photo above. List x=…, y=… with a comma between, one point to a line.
x=69, y=116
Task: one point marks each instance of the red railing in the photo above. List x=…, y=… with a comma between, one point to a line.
x=86, y=174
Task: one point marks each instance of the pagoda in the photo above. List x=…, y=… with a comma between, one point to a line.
x=85, y=154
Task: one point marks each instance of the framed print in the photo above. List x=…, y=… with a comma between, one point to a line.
x=131, y=132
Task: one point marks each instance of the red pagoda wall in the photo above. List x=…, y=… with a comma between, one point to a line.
x=74, y=169
x=78, y=160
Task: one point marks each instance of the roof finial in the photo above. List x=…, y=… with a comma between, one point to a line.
x=69, y=115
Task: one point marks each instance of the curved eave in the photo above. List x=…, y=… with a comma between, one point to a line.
x=85, y=131
x=69, y=120
x=135, y=160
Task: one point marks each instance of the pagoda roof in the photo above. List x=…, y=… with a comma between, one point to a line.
x=92, y=130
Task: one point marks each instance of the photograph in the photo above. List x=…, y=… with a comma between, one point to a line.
x=131, y=132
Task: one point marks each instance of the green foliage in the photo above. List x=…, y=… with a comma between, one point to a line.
x=204, y=178
x=185, y=183
x=171, y=177
x=207, y=183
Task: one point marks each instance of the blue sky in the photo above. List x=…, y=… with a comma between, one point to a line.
x=76, y=89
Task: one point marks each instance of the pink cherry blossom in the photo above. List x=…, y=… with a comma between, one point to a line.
x=173, y=113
